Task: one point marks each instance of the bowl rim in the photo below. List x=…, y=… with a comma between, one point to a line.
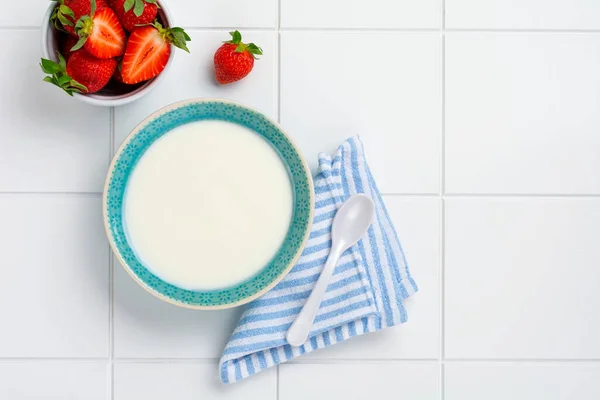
x=93, y=98
x=124, y=263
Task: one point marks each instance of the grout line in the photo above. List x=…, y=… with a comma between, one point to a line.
x=522, y=196
x=442, y=243
x=165, y=361
x=277, y=382
x=387, y=194
x=510, y=30
x=358, y=29
x=111, y=283
x=53, y=194
x=334, y=361
x=229, y=28
x=279, y=122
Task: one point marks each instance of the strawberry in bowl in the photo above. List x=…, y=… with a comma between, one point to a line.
x=108, y=52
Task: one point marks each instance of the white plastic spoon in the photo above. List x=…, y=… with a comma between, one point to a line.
x=349, y=224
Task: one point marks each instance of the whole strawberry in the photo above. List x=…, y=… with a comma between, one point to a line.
x=67, y=13
x=234, y=59
x=83, y=73
x=135, y=12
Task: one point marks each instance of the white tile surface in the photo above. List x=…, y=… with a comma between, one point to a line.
x=417, y=222
x=53, y=380
x=522, y=278
x=361, y=14
x=54, y=289
x=187, y=381
x=330, y=95
x=192, y=75
x=146, y=327
x=49, y=141
x=522, y=113
x=523, y=14
x=359, y=381
x=522, y=381
x=224, y=13
x=521, y=190
x=24, y=13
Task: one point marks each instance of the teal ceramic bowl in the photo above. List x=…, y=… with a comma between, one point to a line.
x=159, y=124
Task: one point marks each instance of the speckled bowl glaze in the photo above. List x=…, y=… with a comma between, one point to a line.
x=157, y=125
x=113, y=94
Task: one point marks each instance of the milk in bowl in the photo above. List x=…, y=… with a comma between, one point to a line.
x=208, y=205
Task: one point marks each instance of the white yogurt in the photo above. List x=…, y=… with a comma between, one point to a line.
x=208, y=205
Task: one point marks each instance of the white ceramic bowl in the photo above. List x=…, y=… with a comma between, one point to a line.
x=112, y=95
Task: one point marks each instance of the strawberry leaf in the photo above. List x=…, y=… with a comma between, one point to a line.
x=79, y=43
x=254, y=50
x=236, y=37
x=128, y=5
x=138, y=10
x=178, y=37
x=58, y=76
x=64, y=10
x=92, y=8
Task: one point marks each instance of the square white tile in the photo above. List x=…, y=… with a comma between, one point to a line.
x=54, y=290
x=359, y=381
x=523, y=381
x=192, y=75
x=391, y=98
x=522, y=113
x=418, y=223
x=187, y=381
x=54, y=380
x=361, y=14
x=49, y=141
x=522, y=278
x=24, y=13
x=224, y=13
x=522, y=14
x=146, y=327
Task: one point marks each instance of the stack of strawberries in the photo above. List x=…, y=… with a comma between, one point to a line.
x=120, y=40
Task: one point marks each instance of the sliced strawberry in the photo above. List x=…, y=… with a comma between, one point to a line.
x=132, y=13
x=67, y=13
x=101, y=34
x=148, y=50
x=83, y=73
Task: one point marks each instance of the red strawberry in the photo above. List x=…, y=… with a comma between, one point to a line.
x=67, y=42
x=100, y=33
x=117, y=77
x=67, y=13
x=83, y=73
x=135, y=12
x=148, y=50
x=234, y=59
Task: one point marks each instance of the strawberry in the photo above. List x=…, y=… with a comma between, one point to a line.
x=83, y=73
x=117, y=77
x=148, y=50
x=66, y=44
x=100, y=33
x=67, y=13
x=135, y=12
x=234, y=59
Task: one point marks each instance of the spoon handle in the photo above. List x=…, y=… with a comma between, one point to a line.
x=298, y=332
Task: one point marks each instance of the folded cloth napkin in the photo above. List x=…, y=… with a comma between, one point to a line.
x=365, y=293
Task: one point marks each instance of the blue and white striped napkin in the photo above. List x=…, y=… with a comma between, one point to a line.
x=365, y=293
